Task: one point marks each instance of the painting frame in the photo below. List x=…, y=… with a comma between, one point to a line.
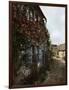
x=11, y=66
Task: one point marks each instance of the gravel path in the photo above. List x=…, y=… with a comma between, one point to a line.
x=57, y=74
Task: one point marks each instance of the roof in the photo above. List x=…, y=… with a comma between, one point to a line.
x=41, y=12
x=61, y=47
x=54, y=46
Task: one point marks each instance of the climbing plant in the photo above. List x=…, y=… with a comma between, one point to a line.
x=29, y=33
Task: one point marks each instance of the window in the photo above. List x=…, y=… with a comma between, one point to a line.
x=27, y=14
x=31, y=16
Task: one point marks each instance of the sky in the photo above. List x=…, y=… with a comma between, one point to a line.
x=55, y=23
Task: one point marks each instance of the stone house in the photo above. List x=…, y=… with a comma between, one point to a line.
x=58, y=50
x=54, y=49
x=61, y=51
x=31, y=34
